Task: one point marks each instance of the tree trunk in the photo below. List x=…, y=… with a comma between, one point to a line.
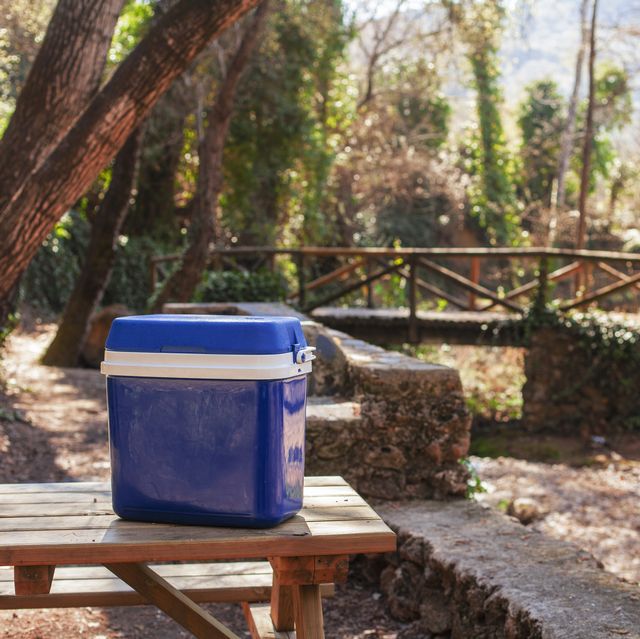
x=154, y=211
x=566, y=145
x=117, y=109
x=63, y=78
x=588, y=137
x=205, y=228
x=100, y=257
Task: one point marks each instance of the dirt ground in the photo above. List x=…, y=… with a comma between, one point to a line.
x=53, y=427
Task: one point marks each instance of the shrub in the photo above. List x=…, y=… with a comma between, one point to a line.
x=234, y=286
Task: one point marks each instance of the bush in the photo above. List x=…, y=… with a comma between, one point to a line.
x=50, y=278
x=234, y=286
x=130, y=282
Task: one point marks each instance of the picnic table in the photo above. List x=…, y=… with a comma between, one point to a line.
x=105, y=560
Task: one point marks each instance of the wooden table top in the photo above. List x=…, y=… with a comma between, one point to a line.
x=73, y=523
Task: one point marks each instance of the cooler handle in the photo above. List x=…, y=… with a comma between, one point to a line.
x=305, y=354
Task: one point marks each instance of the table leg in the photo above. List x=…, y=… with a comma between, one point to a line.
x=171, y=601
x=33, y=580
x=282, y=605
x=308, y=612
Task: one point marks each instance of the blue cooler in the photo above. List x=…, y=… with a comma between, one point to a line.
x=207, y=418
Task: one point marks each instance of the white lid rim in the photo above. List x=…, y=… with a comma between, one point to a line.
x=204, y=366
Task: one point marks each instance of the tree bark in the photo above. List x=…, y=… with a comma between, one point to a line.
x=100, y=257
x=588, y=137
x=64, y=76
x=205, y=227
x=566, y=145
x=117, y=109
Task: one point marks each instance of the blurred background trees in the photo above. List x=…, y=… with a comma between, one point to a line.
x=355, y=123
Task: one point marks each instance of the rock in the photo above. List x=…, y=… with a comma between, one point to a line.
x=99, y=325
x=525, y=510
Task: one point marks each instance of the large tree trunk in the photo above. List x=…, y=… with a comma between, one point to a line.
x=205, y=228
x=100, y=257
x=588, y=137
x=118, y=108
x=63, y=78
x=566, y=146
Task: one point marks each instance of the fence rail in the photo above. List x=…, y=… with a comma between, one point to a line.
x=472, y=279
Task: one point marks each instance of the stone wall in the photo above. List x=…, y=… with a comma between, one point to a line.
x=462, y=572
x=570, y=390
x=412, y=428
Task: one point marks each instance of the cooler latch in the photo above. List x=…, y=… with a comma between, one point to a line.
x=302, y=355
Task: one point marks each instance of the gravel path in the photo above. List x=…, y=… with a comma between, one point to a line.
x=598, y=508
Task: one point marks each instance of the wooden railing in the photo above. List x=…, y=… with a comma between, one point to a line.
x=488, y=278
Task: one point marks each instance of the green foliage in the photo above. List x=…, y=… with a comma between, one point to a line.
x=130, y=281
x=279, y=148
x=541, y=122
x=22, y=29
x=474, y=483
x=234, y=286
x=492, y=197
x=9, y=325
x=131, y=26
x=423, y=110
x=51, y=276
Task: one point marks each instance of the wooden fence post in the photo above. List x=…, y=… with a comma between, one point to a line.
x=413, y=320
x=369, y=287
x=302, y=297
x=475, y=278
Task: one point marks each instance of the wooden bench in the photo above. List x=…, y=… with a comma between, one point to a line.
x=63, y=546
x=79, y=586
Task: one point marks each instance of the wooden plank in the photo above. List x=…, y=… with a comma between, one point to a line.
x=521, y=252
x=97, y=586
x=468, y=284
x=87, y=503
x=558, y=274
x=291, y=571
x=200, y=569
x=614, y=272
x=308, y=612
x=25, y=512
x=171, y=601
x=601, y=292
x=98, y=497
x=340, y=272
x=33, y=580
x=334, y=480
x=354, y=286
x=104, y=521
x=190, y=543
x=261, y=625
x=57, y=487
x=54, y=510
x=104, y=486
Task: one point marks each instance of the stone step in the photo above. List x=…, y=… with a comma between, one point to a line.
x=333, y=425
x=470, y=571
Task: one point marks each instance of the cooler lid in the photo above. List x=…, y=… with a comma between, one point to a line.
x=206, y=334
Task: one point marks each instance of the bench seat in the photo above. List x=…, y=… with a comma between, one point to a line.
x=78, y=586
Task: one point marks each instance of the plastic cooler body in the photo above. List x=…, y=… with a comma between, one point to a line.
x=190, y=446
x=200, y=451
